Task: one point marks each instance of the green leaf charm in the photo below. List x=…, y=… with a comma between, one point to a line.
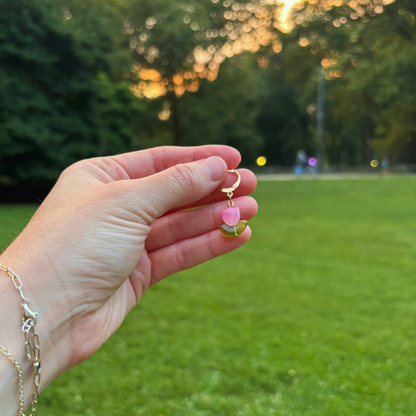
x=234, y=230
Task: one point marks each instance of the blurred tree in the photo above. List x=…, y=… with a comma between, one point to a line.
x=369, y=59
x=58, y=84
x=177, y=45
x=204, y=71
x=223, y=111
x=281, y=119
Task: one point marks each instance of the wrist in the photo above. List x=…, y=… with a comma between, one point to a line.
x=12, y=339
x=49, y=327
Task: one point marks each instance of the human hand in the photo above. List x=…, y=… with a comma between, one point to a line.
x=109, y=230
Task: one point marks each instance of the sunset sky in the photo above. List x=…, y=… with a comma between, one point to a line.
x=290, y=2
x=288, y=5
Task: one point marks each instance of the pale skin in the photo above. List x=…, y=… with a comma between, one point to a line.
x=110, y=229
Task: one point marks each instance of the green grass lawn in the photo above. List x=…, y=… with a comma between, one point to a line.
x=315, y=316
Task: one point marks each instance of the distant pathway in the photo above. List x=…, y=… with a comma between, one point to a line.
x=328, y=176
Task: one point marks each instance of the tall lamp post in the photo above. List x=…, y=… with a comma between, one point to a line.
x=320, y=120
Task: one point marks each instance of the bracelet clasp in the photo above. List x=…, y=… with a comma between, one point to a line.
x=29, y=318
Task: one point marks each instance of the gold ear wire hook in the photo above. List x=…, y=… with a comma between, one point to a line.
x=231, y=189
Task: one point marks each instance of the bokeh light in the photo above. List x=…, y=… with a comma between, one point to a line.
x=261, y=161
x=246, y=27
x=251, y=26
x=313, y=161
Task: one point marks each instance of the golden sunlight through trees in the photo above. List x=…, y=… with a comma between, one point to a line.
x=231, y=28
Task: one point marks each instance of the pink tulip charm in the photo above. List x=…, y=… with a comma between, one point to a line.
x=231, y=216
x=233, y=227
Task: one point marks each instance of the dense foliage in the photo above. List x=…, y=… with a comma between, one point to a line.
x=84, y=78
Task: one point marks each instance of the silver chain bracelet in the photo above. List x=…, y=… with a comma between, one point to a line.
x=32, y=345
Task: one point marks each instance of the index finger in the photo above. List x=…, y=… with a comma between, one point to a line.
x=148, y=162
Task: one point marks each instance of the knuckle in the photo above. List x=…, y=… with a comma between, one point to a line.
x=212, y=247
x=71, y=169
x=175, y=227
x=185, y=177
x=76, y=168
x=182, y=258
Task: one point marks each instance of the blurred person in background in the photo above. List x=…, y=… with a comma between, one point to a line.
x=301, y=162
x=385, y=165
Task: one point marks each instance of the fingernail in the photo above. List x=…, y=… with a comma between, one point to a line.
x=217, y=168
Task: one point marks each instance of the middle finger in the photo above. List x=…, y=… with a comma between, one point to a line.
x=179, y=226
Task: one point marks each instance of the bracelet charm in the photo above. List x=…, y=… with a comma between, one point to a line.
x=233, y=227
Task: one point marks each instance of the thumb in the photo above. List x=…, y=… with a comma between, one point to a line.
x=180, y=185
